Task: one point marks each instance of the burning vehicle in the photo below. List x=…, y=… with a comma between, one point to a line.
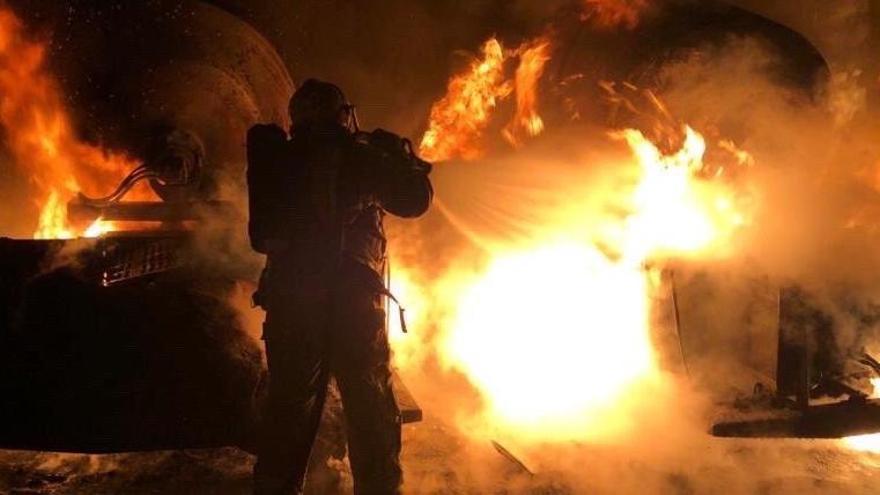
x=114, y=338
x=125, y=322
x=125, y=316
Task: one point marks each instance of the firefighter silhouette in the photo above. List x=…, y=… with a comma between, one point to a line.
x=317, y=199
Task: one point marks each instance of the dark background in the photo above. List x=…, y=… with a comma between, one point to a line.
x=393, y=57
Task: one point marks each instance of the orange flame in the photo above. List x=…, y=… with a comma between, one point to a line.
x=533, y=57
x=555, y=335
x=459, y=118
x=870, y=442
x=457, y=121
x=40, y=137
x=615, y=13
x=576, y=310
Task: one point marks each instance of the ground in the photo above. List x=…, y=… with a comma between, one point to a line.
x=436, y=461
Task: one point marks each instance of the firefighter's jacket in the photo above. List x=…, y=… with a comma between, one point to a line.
x=323, y=201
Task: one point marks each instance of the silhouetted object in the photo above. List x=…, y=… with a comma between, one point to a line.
x=813, y=397
x=317, y=202
x=131, y=342
x=123, y=346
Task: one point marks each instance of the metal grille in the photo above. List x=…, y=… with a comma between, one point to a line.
x=124, y=261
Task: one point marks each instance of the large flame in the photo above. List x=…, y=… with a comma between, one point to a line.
x=556, y=335
x=459, y=119
x=39, y=135
x=615, y=13
x=674, y=212
x=554, y=338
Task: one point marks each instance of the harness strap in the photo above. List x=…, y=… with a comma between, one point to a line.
x=400, y=309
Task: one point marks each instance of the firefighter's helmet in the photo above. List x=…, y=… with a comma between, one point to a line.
x=319, y=103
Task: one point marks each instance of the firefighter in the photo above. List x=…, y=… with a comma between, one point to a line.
x=317, y=200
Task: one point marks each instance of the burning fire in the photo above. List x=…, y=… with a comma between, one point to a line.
x=675, y=213
x=458, y=120
x=870, y=442
x=574, y=323
x=41, y=139
x=556, y=336
x=614, y=13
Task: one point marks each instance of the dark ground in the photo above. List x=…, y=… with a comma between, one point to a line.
x=436, y=462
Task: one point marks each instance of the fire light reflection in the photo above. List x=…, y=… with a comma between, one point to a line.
x=866, y=443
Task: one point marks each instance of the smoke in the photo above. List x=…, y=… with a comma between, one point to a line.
x=812, y=197
x=813, y=186
x=812, y=194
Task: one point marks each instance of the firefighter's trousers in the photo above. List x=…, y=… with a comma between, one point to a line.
x=312, y=332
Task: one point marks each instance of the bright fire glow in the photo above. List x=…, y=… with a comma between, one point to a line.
x=98, y=228
x=459, y=118
x=674, y=212
x=871, y=442
x=555, y=336
x=864, y=443
x=38, y=133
